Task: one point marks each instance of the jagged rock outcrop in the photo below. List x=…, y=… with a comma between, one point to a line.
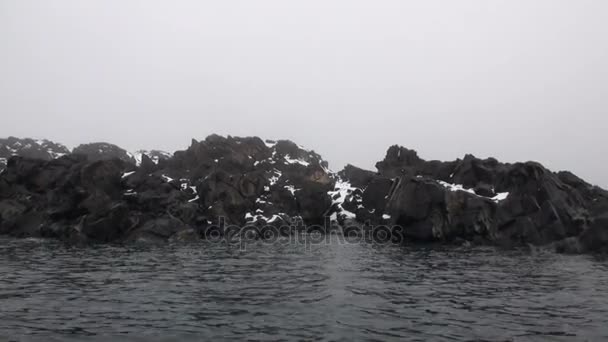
x=485, y=201
x=101, y=193
x=30, y=148
x=103, y=151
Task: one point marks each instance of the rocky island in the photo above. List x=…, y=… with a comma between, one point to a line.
x=100, y=193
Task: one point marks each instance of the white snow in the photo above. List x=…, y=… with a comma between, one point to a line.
x=194, y=199
x=167, y=179
x=269, y=144
x=54, y=154
x=386, y=217
x=291, y=189
x=273, y=218
x=458, y=187
x=342, y=189
x=155, y=158
x=249, y=217
x=136, y=156
x=127, y=174
x=275, y=177
x=500, y=197
x=296, y=161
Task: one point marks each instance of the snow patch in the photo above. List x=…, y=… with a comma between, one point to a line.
x=291, y=189
x=153, y=155
x=296, y=161
x=342, y=190
x=458, y=187
x=500, y=197
x=252, y=218
x=127, y=174
x=275, y=177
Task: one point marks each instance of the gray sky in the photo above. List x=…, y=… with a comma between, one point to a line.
x=513, y=79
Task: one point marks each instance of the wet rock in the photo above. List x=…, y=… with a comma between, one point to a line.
x=158, y=229
x=186, y=235
x=107, y=225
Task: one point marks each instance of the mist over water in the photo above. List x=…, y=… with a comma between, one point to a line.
x=331, y=292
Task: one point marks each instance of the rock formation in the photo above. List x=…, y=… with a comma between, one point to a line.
x=100, y=193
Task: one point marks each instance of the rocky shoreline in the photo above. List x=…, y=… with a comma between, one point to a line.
x=100, y=193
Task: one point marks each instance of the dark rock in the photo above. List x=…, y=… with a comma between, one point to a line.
x=103, y=151
x=159, y=229
x=398, y=162
x=357, y=177
x=101, y=193
x=107, y=225
x=30, y=148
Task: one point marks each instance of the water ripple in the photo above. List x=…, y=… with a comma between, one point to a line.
x=277, y=292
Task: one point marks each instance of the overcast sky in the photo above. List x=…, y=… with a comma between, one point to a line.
x=514, y=79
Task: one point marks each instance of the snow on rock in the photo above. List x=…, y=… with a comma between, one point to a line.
x=296, y=161
x=291, y=189
x=32, y=148
x=275, y=177
x=341, y=191
x=500, y=197
x=455, y=187
x=154, y=155
x=458, y=187
x=250, y=218
x=127, y=174
x=270, y=143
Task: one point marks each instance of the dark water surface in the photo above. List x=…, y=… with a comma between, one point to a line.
x=280, y=291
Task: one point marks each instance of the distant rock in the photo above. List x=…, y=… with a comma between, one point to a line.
x=155, y=156
x=103, y=151
x=30, y=148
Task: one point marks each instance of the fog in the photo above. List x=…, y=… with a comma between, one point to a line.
x=515, y=79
